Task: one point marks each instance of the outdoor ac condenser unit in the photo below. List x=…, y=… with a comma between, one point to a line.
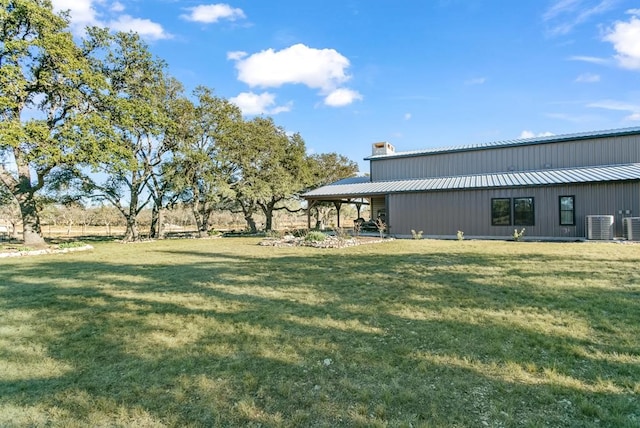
x=631, y=228
x=599, y=227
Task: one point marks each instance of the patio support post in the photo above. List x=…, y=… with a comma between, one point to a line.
x=338, y=205
x=310, y=204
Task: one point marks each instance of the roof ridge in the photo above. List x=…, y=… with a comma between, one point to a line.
x=511, y=142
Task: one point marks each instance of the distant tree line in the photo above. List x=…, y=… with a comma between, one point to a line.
x=102, y=120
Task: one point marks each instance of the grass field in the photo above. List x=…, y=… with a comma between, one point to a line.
x=196, y=333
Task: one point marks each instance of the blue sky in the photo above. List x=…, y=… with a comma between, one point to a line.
x=418, y=74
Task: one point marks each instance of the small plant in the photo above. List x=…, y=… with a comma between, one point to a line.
x=214, y=233
x=71, y=244
x=518, y=235
x=382, y=226
x=357, y=227
x=460, y=235
x=277, y=234
x=315, y=236
x=299, y=233
x=416, y=235
x=341, y=233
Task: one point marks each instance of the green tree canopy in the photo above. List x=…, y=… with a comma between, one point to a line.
x=327, y=168
x=199, y=170
x=270, y=167
x=136, y=104
x=48, y=116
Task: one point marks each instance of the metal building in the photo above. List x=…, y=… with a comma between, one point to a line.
x=553, y=187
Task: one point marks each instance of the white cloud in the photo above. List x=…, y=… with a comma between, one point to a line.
x=407, y=116
x=211, y=13
x=236, y=55
x=316, y=68
x=264, y=103
x=560, y=7
x=588, y=78
x=82, y=13
x=322, y=69
x=530, y=134
x=633, y=109
x=625, y=37
x=341, y=97
x=117, y=7
x=145, y=27
x=91, y=13
x=564, y=15
x=589, y=59
x=476, y=81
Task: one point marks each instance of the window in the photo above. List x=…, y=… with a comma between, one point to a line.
x=523, y=212
x=567, y=211
x=500, y=212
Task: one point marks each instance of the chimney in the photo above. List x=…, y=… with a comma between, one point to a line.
x=382, y=148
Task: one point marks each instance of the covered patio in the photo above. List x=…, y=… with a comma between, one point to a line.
x=346, y=191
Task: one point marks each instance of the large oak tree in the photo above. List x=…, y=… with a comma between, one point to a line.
x=270, y=168
x=200, y=171
x=48, y=116
x=136, y=106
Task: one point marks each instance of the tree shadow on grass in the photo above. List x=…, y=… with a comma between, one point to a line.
x=320, y=339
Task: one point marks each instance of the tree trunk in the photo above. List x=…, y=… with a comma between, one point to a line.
x=31, y=231
x=160, y=226
x=131, y=233
x=248, y=209
x=23, y=192
x=201, y=214
x=154, y=229
x=251, y=223
x=268, y=215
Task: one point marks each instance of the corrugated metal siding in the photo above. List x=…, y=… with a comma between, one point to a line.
x=444, y=213
x=517, y=142
x=566, y=154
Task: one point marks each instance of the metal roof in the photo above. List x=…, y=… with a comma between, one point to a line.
x=510, y=143
x=352, y=180
x=480, y=181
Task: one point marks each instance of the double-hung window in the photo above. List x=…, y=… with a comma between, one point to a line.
x=567, y=211
x=523, y=212
x=500, y=212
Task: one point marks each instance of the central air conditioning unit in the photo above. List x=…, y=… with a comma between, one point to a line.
x=631, y=228
x=599, y=227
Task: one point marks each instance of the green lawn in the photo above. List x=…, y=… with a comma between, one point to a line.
x=405, y=333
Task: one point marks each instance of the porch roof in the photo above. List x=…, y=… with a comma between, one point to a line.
x=358, y=187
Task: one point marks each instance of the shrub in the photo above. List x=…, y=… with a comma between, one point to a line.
x=278, y=234
x=357, y=227
x=341, y=233
x=416, y=235
x=298, y=233
x=382, y=227
x=315, y=236
x=518, y=235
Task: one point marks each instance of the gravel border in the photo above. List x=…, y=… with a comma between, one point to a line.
x=44, y=251
x=328, y=242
